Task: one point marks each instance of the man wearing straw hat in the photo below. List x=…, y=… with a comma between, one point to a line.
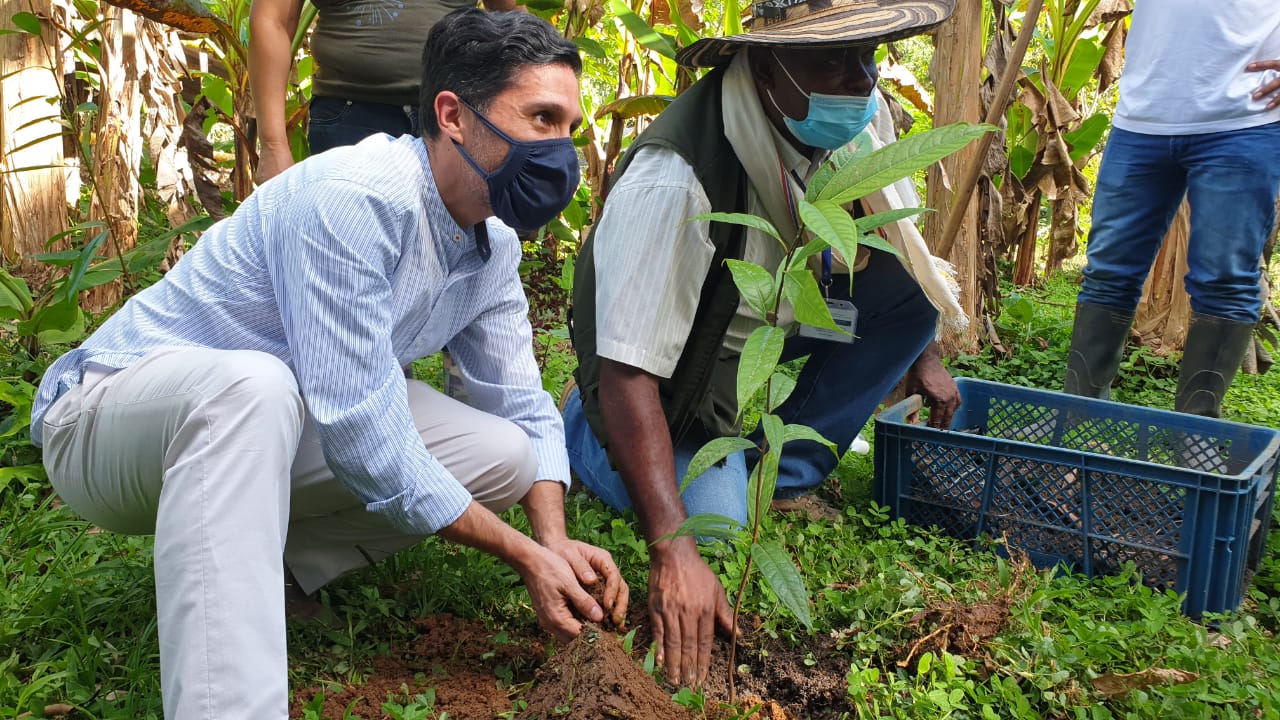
x=658, y=324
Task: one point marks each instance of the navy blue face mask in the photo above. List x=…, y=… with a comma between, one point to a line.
x=533, y=184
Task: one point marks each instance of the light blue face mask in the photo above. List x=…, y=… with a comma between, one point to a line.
x=832, y=120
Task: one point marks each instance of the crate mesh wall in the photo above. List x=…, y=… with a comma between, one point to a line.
x=1091, y=485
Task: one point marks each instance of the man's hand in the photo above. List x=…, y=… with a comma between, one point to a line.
x=552, y=583
x=589, y=563
x=554, y=588
x=931, y=380
x=686, y=604
x=1270, y=89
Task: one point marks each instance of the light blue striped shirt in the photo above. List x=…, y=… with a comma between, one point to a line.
x=347, y=267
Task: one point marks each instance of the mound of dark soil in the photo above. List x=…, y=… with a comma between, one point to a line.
x=593, y=678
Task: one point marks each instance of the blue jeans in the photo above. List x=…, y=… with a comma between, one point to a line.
x=1230, y=179
x=336, y=122
x=838, y=389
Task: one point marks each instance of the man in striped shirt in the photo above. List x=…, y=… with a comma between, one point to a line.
x=252, y=404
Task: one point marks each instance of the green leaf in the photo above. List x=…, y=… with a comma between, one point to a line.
x=712, y=453
x=802, y=291
x=804, y=432
x=709, y=525
x=27, y=22
x=751, y=221
x=759, y=359
x=878, y=220
x=19, y=396
x=781, y=385
x=74, y=282
x=839, y=230
x=860, y=146
x=774, y=431
x=215, y=88
x=732, y=18
x=1086, y=137
x=812, y=246
x=899, y=159
x=635, y=106
x=60, y=317
x=57, y=259
x=101, y=274
x=685, y=33
x=15, y=296
x=1085, y=57
x=34, y=473
x=763, y=479
x=873, y=240
x=756, y=286
x=777, y=568
x=644, y=34
x=591, y=47
x=828, y=221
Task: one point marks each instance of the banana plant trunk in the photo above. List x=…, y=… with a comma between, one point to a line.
x=33, y=202
x=957, y=76
x=165, y=65
x=117, y=149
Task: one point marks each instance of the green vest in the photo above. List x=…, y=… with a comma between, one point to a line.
x=695, y=408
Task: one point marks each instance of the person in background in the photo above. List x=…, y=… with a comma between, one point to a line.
x=1199, y=116
x=368, y=57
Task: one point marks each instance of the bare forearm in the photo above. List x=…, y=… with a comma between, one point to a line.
x=272, y=26
x=931, y=354
x=544, y=504
x=641, y=445
x=479, y=528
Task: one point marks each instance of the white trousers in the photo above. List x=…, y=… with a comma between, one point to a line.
x=213, y=452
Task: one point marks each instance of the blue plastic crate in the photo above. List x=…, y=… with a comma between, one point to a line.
x=1090, y=484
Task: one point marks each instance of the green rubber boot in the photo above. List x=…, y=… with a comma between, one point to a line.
x=1097, y=346
x=1215, y=347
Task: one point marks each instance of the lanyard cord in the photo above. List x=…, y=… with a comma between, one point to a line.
x=825, y=280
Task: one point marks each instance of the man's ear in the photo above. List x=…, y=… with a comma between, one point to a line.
x=448, y=107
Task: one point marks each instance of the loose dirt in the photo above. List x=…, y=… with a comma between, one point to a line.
x=478, y=673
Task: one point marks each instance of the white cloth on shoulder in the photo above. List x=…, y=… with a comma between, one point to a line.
x=749, y=132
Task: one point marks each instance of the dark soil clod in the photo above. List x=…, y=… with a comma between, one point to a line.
x=593, y=678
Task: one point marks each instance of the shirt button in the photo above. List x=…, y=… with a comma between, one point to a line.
x=457, y=238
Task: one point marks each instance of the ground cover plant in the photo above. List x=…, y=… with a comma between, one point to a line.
x=906, y=623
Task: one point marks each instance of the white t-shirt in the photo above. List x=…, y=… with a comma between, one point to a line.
x=1184, y=70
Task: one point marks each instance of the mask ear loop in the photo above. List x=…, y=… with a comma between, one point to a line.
x=795, y=84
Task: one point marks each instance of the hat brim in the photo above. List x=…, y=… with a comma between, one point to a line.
x=857, y=23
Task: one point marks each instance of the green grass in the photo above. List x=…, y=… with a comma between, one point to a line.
x=77, y=613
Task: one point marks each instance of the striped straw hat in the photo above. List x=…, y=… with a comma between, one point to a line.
x=821, y=23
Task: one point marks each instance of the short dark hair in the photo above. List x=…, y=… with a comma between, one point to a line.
x=476, y=53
